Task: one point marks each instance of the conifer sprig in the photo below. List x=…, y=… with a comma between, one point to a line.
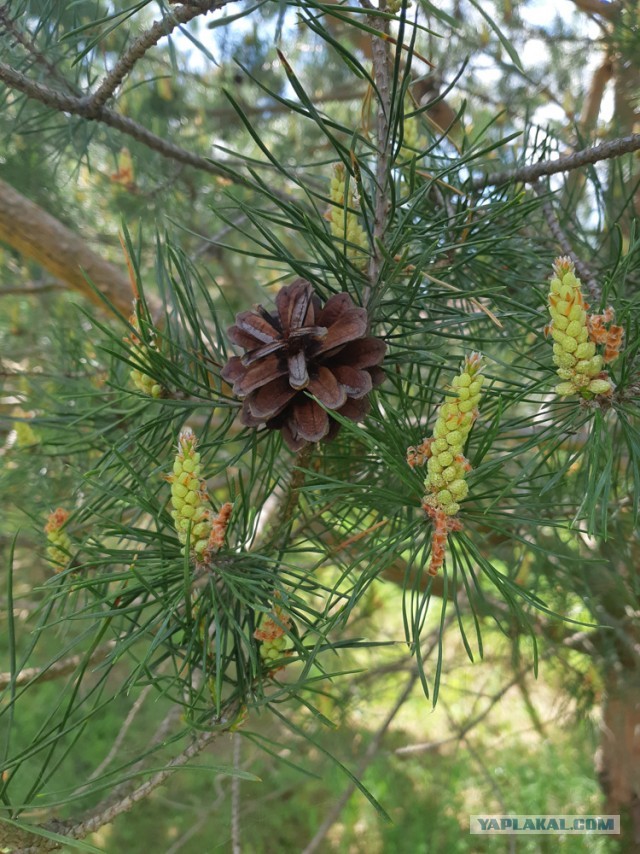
x=205, y=628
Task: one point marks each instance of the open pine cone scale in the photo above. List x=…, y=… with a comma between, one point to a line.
x=304, y=349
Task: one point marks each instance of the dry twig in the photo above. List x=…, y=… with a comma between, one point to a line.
x=372, y=749
x=104, y=815
x=60, y=668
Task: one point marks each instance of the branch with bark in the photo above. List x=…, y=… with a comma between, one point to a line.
x=8, y=24
x=84, y=108
x=603, y=8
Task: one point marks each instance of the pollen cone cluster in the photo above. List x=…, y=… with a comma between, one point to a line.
x=447, y=467
x=410, y=131
x=301, y=358
x=142, y=381
x=59, y=542
x=25, y=434
x=575, y=336
x=191, y=513
x=274, y=643
x=344, y=222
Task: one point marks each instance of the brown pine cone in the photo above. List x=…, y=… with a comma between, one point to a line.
x=299, y=351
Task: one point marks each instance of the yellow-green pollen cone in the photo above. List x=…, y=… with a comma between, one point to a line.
x=445, y=483
x=59, y=541
x=191, y=514
x=574, y=353
x=345, y=225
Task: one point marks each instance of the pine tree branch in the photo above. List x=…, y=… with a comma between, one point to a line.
x=164, y=27
x=53, y=98
x=100, y=818
x=585, y=157
x=160, y=734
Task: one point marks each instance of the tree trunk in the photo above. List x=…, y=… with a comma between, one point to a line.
x=619, y=753
x=618, y=760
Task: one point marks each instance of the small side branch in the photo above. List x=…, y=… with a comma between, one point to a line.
x=370, y=754
x=100, y=818
x=586, y=157
x=563, y=242
x=382, y=76
x=158, y=30
x=9, y=25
